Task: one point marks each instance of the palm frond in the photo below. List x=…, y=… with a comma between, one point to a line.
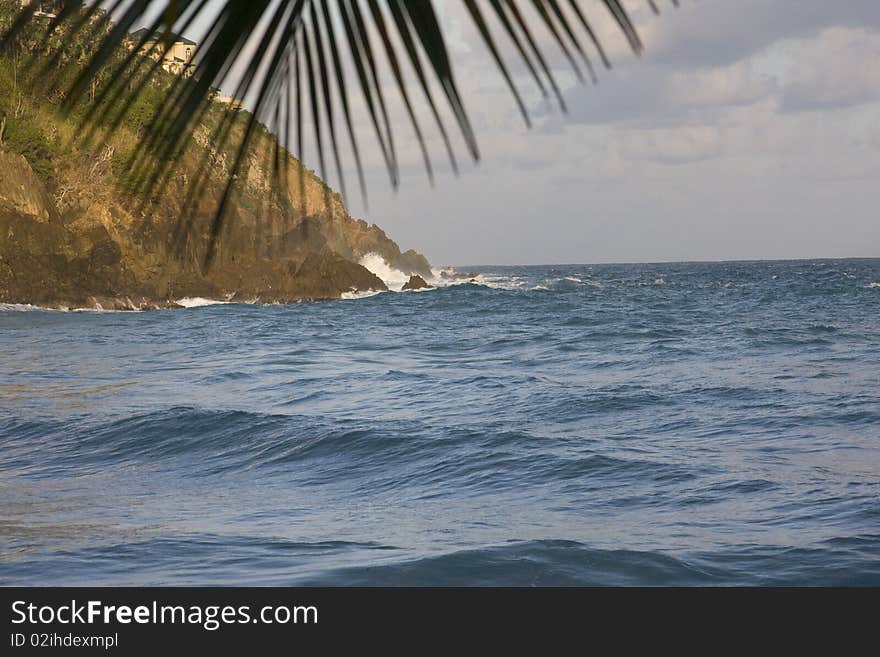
x=287, y=57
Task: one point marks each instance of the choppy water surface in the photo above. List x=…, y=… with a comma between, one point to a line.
x=615, y=424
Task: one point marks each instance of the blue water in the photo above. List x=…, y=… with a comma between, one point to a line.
x=615, y=424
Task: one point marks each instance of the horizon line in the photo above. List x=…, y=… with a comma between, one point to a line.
x=661, y=262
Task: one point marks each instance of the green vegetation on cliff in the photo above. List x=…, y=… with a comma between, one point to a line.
x=76, y=227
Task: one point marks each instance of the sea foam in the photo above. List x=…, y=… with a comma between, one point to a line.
x=360, y=294
x=393, y=278
x=442, y=277
x=18, y=307
x=198, y=302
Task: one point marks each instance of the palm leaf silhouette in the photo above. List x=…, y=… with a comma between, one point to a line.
x=290, y=58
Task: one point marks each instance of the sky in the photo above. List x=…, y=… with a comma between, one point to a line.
x=748, y=129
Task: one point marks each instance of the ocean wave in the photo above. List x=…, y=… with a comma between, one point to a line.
x=26, y=307
x=187, y=558
x=393, y=278
x=570, y=563
x=199, y=302
x=396, y=279
x=217, y=559
x=360, y=294
x=569, y=282
x=19, y=307
x=528, y=563
x=495, y=282
x=487, y=432
x=204, y=442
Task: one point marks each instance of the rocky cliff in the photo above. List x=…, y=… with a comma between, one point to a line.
x=74, y=230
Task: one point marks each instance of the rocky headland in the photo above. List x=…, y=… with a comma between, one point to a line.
x=76, y=232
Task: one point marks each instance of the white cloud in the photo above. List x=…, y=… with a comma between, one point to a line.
x=673, y=145
x=837, y=68
x=748, y=129
x=737, y=84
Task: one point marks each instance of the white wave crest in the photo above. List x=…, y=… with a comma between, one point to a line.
x=19, y=307
x=570, y=279
x=27, y=307
x=449, y=276
x=357, y=294
x=393, y=278
x=198, y=302
x=443, y=273
x=873, y=286
x=498, y=282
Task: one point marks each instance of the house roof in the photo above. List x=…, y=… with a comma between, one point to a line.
x=160, y=36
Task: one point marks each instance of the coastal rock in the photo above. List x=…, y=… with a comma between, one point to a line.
x=327, y=275
x=354, y=240
x=102, y=256
x=77, y=230
x=416, y=282
x=20, y=190
x=72, y=240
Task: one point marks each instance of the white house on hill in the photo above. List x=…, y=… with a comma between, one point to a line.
x=45, y=8
x=175, y=51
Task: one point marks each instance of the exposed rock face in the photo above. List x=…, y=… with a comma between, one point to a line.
x=77, y=229
x=101, y=256
x=415, y=282
x=20, y=190
x=354, y=241
x=96, y=249
x=323, y=275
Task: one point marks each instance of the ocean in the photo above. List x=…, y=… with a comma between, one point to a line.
x=646, y=424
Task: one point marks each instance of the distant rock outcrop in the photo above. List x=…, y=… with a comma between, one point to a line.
x=416, y=282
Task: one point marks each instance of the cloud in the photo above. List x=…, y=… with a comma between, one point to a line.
x=719, y=54
x=736, y=84
x=720, y=32
x=673, y=145
x=747, y=129
x=839, y=68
